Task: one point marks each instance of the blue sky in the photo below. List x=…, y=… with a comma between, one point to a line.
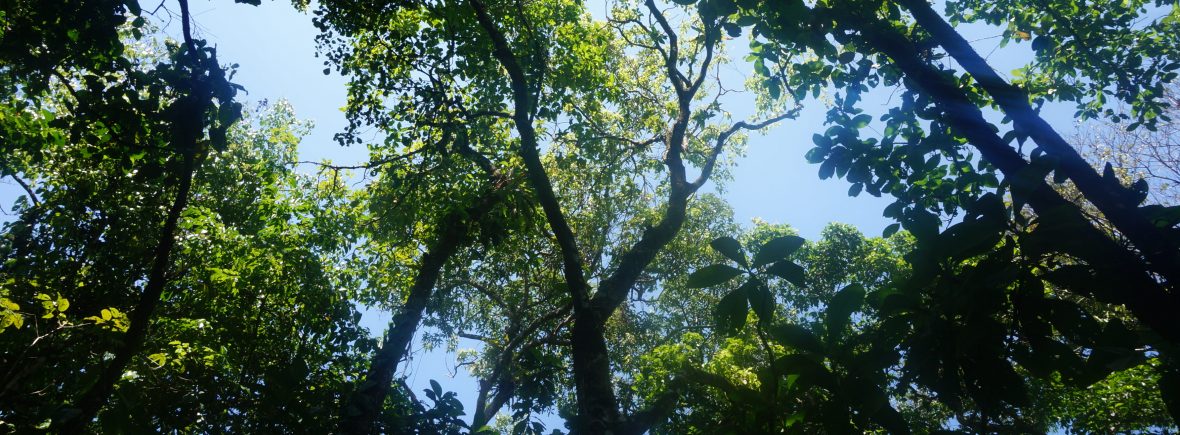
x=274, y=46
x=275, y=49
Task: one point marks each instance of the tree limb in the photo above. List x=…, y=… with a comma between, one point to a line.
x=27, y=188
x=1107, y=194
x=1142, y=295
x=711, y=162
x=529, y=151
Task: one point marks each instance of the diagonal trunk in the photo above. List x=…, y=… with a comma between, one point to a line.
x=455, y=232
x=485, y=409
x=1106, y=194
x=1142, y=295
x=94, y=398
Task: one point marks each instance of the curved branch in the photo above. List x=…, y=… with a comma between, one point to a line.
x=672, y=56
x=1107, y=194
x=711, y=162
x=529, y=151
x=27, y=188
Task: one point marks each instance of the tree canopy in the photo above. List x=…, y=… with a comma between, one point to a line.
x=549, y=183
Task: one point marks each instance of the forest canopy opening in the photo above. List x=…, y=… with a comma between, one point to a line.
x=553, y=183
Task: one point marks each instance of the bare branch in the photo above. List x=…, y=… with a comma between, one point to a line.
x=679, y=81
x=27, y=188
x=475, y=337
x=711, y=162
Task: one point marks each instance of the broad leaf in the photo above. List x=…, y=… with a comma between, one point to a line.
x=730, y=314
x=709, y=276
x=777, y=249
x=797, y=337
x=809, y=370
x=789, y=271
x=841, y=307
x=761, y=300
x=730, y=248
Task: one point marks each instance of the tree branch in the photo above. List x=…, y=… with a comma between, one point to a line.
x=1107, y=194
x=672, y=56
x=1143, y=295
x=529, y=151
x=475, y=337
x=27, y=188
x=711, y=162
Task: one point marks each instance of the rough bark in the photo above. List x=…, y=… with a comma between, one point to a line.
x=1148, y=300
x=1106, y=194
x=455, y=232
x=95, y=397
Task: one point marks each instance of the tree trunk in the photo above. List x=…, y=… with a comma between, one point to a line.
x=1149, y=301
x=94, y=398
x=368, y=400
x=598, y=410
x=1107, y=195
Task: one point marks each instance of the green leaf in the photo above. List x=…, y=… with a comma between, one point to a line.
x=827, y=169
x=855, y=189
x=809, y=370
x=1162, y=217
x=1041, y=43
x=789, y=271
x=922, y=224
x=730, y=248
x=796, y=418
x=815, y=155
x=840, y=308
x=133, y=7
x=1169, y=385
x=821, y=141
x=761, y=300
x=861, y=121
x=730, y=314
x=709, y=276
x=797, y=337
x=776, y=249
x=732, y=29
x=890, y=230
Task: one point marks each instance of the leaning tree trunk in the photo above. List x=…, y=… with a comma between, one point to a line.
x=1106, y=194
x=455, y=232
x=94, y=398
x=1146, y=298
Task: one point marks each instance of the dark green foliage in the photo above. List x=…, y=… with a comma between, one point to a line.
x=168, y=269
